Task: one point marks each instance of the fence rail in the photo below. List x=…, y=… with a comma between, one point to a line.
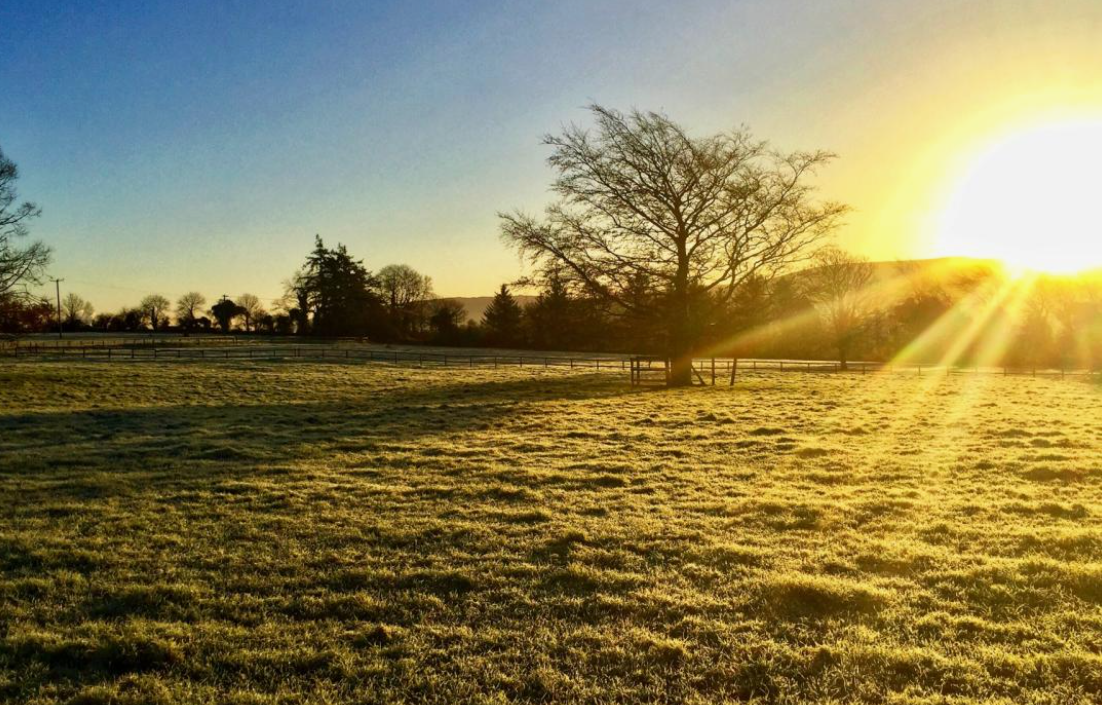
x=315, y=352
x=643, y=370
x=706, y=371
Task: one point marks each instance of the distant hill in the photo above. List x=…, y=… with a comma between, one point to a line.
x=942, y=271
x=935, y=269
x=475, y=306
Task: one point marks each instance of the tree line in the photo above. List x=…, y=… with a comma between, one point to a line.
x=657, y=242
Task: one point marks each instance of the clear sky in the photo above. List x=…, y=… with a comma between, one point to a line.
x=200, y=145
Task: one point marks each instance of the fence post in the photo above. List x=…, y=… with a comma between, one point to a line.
x=713, y=372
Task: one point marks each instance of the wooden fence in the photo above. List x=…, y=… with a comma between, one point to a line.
x=656, y=370
x=643, y=370
x=315, y=352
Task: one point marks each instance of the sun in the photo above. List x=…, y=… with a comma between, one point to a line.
x=1032, y=199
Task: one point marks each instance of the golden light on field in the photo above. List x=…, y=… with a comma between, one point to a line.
x=1030, y=199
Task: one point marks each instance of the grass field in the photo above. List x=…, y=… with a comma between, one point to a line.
x=321, y=533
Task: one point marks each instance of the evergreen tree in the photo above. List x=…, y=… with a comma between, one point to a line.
x=551, y=319
x=502, y=319
x=342, y=293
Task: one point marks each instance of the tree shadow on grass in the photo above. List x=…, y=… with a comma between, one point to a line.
x=126, y=527
x=95, y=453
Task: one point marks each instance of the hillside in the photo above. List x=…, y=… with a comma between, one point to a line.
x=475, y=306
x=935, y=269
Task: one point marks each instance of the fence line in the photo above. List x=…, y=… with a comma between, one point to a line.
x=317, y=352
x=642, y=369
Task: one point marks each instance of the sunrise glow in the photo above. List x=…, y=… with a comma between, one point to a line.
x=1030, y=199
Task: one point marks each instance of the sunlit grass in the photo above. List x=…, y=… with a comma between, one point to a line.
x=284, y=532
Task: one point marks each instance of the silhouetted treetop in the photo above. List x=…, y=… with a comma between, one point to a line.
x=502, y=319
x=20, y=265
x=691, y=218
x=341, y=293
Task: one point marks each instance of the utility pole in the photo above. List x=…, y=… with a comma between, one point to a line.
x=57, y=284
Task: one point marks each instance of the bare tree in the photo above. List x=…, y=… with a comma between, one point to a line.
x=76, y=311
x=155, y=309
x=251, y=309
x=407, y=293
x=19, y=265
x=641, y=200
x=296, y=301
x=445, y=319
x=188, y=308
x=839, y=286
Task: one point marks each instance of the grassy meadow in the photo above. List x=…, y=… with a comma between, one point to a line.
x=325, y=533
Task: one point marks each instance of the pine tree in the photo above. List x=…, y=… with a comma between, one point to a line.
x=551, y=319
x=342, y=293
x=502, y=319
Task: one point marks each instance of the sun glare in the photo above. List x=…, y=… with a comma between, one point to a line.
x=1030, y=199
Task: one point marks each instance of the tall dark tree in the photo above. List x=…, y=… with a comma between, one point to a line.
x=20, y=264
x=502, y=319
x=694, y=217
x=342, y=293
x=224, y=312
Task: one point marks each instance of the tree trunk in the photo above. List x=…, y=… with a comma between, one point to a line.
x=681, y=370
x=680, y=343
x=680, y=348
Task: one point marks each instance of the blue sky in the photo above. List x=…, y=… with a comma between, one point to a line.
x=200, y=145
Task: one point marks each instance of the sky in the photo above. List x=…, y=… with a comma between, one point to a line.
x=178, y=146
